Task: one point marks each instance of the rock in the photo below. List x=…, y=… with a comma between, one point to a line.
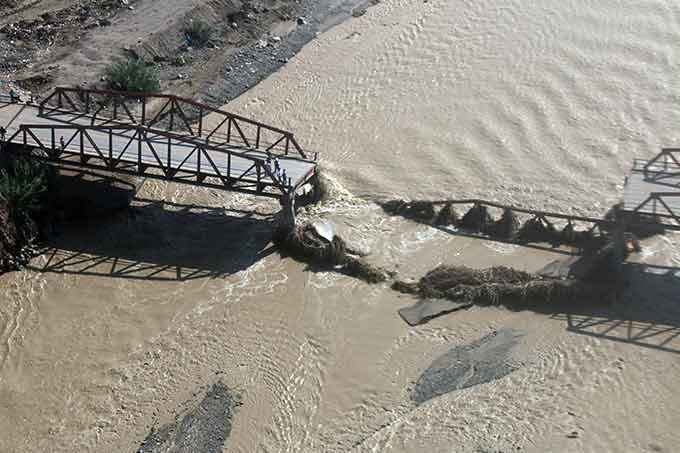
x=301, y=20
x=125, y=2
x=463, y=366
x=203, y=428
x=261, y=44
x=234, y=25
x=276, y=38
x=179, y=76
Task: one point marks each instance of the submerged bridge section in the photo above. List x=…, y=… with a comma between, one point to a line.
x=158, y=136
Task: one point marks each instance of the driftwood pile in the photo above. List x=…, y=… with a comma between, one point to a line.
x=598, y=277
x=500, y=286
x=304, y=242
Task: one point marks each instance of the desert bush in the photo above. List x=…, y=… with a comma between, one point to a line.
x=198, y=32
x=21, y=188
x=133, y=74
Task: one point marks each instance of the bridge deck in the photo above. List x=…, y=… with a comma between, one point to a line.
x=643, y=186
x=14, y=115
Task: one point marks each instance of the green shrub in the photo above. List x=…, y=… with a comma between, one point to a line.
x=133, y=75
x=22, y=187
x=198, y=32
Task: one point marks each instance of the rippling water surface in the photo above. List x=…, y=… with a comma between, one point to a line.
x=542, y=104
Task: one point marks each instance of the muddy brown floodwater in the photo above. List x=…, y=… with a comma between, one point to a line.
x=126, y=325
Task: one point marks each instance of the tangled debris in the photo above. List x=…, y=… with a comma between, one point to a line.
x=447, y=216
x=416, y=210
x=305, y=243
x=497, y=286
x=477, y=219
x=438, y=282
x=535, y=229
x=596, y=275
x=538, y=229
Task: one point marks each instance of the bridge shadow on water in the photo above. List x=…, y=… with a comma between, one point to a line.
x=160, y=241
x=646, y=313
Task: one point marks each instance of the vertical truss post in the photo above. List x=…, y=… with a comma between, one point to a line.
x=229, y=130
x=143, y=110
x=257, y=137
x=172, y=114
x=198, y=160
x=169, y=146
x=259, y=177
x=139, y=151
x=111, y=148
x=200, y=121
x=82, y=146
x=87, y=102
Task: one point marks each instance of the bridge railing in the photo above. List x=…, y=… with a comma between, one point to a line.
x=664, y=162
x=172, y=113
x=146, y=150
x=657, y=204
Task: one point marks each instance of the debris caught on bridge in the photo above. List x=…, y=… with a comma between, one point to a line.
x=593, y=277
x=537, y=227
x=307, y=244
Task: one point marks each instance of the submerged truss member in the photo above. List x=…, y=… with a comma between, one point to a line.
x=3, y=132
